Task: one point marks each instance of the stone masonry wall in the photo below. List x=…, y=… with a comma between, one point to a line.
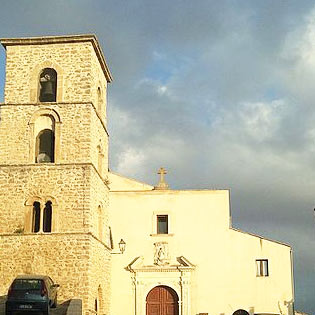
x=99, y=141
x=99, y=276
x=71, y=260
x=99, y=197
x=80, y=133
x=64, y=257
x=68, y=185
x=72, y=61
x=76, y=253
x=99, y=80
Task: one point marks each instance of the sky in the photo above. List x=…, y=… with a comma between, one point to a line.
x=220, y=93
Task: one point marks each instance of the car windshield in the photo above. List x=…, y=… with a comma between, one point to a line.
x=26, y=284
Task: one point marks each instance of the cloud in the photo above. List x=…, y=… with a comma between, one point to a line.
x=218, y=92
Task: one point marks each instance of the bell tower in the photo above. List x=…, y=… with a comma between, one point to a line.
x=54, y=165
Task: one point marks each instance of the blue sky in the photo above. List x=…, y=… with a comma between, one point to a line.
x=218, y=92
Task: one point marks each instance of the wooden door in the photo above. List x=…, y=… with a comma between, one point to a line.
x=162, y=300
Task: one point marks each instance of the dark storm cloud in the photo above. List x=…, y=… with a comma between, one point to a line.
x=218, y=92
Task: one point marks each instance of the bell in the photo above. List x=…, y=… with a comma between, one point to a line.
x=47, y=93
x=43, y=157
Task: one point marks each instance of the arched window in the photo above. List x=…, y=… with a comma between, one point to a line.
x=100, y=222
x=47, y=217
x=48, y=85
x=100, y=299
x=45, y=145
x=96, y=306
x=36, y=217
x=100, y=159
x=44, y=128
x=99, y=100
x=42, y=217
x=45, y=136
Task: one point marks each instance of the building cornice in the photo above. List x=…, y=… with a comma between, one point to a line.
x=46, y=40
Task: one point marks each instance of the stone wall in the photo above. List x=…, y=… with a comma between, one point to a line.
x=99, y=144
x=99, y=275
x=80, y=132
x=99, y=197
x=78, y=262
x=76, y=253
x=71, y=188
x=99, y=81
x=72, y=61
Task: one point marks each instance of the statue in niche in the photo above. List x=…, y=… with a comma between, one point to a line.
x=161, y=256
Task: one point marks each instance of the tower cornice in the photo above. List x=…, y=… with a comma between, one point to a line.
x=44, y=40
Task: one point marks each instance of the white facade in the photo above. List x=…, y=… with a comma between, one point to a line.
x=213, y=268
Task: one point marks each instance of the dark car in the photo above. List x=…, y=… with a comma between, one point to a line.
x=31, y=293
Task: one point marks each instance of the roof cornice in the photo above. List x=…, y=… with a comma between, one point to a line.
x=46, y=40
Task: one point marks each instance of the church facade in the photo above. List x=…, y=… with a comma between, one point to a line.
x=63, y=212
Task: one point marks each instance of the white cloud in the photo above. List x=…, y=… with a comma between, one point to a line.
x=162, y=89
x=130, y=161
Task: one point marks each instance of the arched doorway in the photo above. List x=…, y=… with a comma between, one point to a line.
x=162, y=300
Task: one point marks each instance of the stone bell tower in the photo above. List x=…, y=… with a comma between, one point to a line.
x=53, y=167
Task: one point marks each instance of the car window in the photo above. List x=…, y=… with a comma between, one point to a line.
x=26, y=284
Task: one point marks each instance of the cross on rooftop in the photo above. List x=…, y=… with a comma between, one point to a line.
x=162, y=184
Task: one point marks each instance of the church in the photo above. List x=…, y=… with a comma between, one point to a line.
x=121, y=246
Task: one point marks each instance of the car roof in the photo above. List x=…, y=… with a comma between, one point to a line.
x=37, y=277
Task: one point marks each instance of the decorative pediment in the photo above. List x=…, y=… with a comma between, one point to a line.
x=137, y=264
x=184, y=262
x=176, y=275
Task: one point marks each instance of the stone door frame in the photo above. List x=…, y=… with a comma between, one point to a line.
x=145, y=278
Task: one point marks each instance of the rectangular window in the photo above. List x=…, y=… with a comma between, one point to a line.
x=162, y=224
x=262, y=268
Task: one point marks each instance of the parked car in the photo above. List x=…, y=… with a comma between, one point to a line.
x=31, y=293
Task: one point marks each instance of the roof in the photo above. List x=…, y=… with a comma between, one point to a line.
x=39, y=277
x=46, y=40
x=261, y=237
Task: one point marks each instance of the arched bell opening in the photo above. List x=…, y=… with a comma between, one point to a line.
x=48, y=85
x=162, y=300
x=45, y=146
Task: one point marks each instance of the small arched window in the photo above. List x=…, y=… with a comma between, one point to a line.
x=100, y=159
x=42, y=217
x=48, y=85
x=99, y=100
x=100, y=300
x=36, y=217
x=47, y=219
x=100, y=222
x=45, y=146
